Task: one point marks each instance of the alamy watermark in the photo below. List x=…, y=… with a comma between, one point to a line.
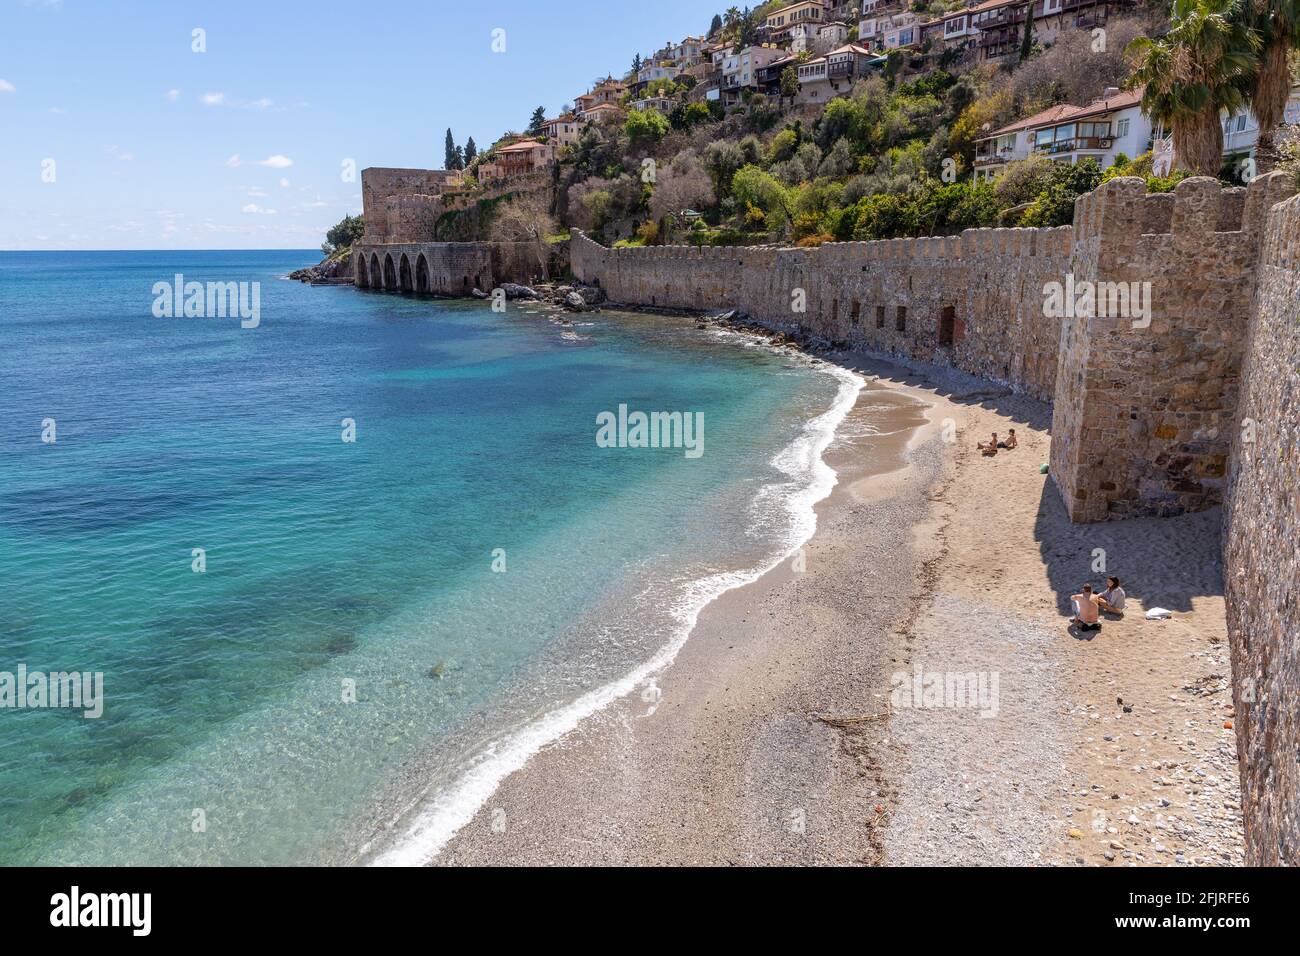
x=76, y=690
x=924, y=690
x=211, y=300
x=1091, y=300
x=651, y=430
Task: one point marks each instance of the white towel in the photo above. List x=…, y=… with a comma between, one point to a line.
x=1158, y=614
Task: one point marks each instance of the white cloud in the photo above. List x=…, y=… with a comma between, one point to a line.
x=234, y=161
x=118, y=154
x=284, y=183
x=262, y=104
x=257, y=193
x=173, y=96
x=213, y=99
x=257, y=210
x=276, y=162
x=57, y=110
x=7, y=87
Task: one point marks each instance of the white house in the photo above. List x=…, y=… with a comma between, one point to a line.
x=1241, y=130
x=653, y=72
x=903, y=30
x=1102, y=130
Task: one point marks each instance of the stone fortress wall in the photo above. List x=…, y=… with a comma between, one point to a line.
x=970, y=301
x=410, y=205
x=1143, y=403
x=1261, y=550
x=444, y=268
x=1145, y=407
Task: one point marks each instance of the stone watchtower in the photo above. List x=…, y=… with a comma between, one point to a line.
x=1148, y=380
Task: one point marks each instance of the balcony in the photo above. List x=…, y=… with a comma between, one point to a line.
x=1079, y=143
x=840, y=70
x=1000, y=156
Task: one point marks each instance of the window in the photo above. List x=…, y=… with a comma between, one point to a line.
x=900, y=319
x=947, y=323
x=1121, y=128
x=880, y=316
x=855, y=312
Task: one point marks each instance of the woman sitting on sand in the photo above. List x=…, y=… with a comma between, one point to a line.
x=988, y=450
x=1112, y=599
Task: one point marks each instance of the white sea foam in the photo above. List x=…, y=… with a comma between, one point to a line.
x=454, y=805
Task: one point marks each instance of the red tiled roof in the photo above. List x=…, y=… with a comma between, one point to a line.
x=1058, y=114
x=523, y=145
x=1053, y=114
x=1120, y=101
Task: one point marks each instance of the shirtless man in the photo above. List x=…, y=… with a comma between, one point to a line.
x=1011, y=441
x=1085, y=609
x=989, y=449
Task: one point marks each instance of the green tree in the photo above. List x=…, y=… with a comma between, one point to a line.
x=644, y=127
x=537, y=120
x=1027, y=41
x=452, y=158
x=348, y=230
x=1055, y=204
x=636, y=63
x=1278, y=24
x=716, y=25
x=789, y=83
x=1202, y=66
x=757, y=189
x=471, y=151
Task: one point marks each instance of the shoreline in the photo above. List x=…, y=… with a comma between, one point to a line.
x=435, y=817
x=889, y=427
x=774, y=741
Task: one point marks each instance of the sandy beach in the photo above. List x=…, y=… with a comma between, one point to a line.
x=774, y=739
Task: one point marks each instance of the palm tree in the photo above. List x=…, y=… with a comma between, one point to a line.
x=1202, y=66
x=1278, y=25
x=731, y=16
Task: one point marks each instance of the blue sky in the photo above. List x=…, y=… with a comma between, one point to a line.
x=154, y=146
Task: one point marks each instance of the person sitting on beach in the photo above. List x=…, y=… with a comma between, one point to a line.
x=989, y=449
x=1085, y=609
x=1011, y=441
x=1112, y=599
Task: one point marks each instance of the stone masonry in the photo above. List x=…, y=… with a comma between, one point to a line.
x=1145, y=403
x=445, y=268
x=1261, y=556
x=967, y=301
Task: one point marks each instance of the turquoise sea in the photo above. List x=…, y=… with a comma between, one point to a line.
x=473, y=564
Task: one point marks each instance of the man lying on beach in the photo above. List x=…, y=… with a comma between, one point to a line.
x=1011, y=441
x=989, y=449
x=1085, y=609
x=1112, y=599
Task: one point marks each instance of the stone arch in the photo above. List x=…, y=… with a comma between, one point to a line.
x=376, y=272
x=390, y=272
x=404, y=274
x=422, y=275
x=363, y=277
